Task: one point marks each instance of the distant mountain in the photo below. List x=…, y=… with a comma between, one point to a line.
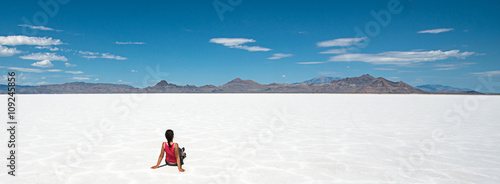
x=381, y=85
x=320, y=80
x=79, y=87
x=5, y=88
x=437, y=87
x=165, y=87
x=440, y=89
x=237, y=86
x=362, y=84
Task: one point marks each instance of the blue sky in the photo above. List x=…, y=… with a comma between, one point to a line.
x=138, y=43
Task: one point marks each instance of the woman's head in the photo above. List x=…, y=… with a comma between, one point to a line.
x=169, y=134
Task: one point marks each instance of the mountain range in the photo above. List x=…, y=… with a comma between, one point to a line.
x=363, y=84
x=438, y=87
x=320, y=80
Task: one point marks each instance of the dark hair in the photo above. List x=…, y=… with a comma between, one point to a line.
x=169, y=134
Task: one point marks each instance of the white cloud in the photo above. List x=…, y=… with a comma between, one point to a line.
x=96, y=79
x=47, y=47
x=340, y=42
x=88, y=53
x=488, y=73
x=280, y=55
x=90, y=57
x=74, y=72
x=43, y=64
x=446, y=67
x=311, y=63
x=69, y=65
x=24, y=69
x=94, y=55
x=435, y=31
x=337, y=51
x=130, y=43
x=5, y=51
x=402, y=58
x=385, y=69
x=35, y=70
x=229, y=42
x=133, y=70
x=41, y=83
x=26, y=40
x=43, y=28
x=238, y=44
x=252, y=48
x=111, y=56
x=452, y=66
x=44, y=56
x=80, y=78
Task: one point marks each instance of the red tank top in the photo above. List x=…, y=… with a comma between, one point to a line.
x=170, y=152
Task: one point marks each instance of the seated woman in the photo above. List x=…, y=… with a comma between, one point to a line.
x=174, y=155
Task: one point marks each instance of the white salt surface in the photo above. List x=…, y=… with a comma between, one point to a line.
x=257, y=138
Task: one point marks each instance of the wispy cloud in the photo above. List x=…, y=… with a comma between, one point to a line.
x=47, y=47
x=94, y=55
x=43, y=64
x=43, y=28
x=402, y=58
x=280, y=55
x=238, y=44
x=488, y=73
x=340, y=42
x=130, y=43
x=44, y=56
x=5, y=51
x=111, y=56
x=69, y=65
x=73, y=72
x=451, y=66
x=337, y=51
x=310, y=63
x=385, y=69
x=435, y=31
x=90, y=57
x=23, y=69
x=26, y=40
x=81, y=78
x=88, y=53
x=36, y=70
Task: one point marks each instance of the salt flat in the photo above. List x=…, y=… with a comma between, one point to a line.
x=257, y=138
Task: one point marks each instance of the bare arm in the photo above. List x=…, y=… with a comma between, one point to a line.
x=179, y=165
x=160, y=157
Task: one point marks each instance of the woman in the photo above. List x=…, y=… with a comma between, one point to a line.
x=174, y=155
